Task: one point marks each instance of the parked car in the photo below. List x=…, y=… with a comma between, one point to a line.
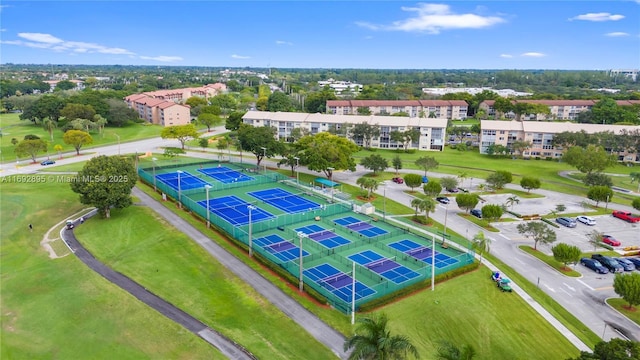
x=587, y=220
x=398, y=180
x=425, y=179
x=477, y=213
x=635, y=261
x=454, y=190
x=626, y=216
x=594, y=265
x=610, y=240
x=443, y=199
x=568, y=222
x=609, y=263
x=47, y=162
x=626, y=264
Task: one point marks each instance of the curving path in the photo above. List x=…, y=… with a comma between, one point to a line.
x=230, y=349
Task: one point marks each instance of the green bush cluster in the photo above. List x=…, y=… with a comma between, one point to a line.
x=513, y=213
x=550, y=222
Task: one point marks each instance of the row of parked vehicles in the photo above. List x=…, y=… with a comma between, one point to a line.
x=606, y=264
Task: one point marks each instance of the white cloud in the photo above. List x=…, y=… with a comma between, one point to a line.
x=433, y=18
x=162, y=58
x=533, y=54
x=603, y=16
x=281, y=42
x=41, y=38
x=234, y=56
x=616, y=34
x=506, y=56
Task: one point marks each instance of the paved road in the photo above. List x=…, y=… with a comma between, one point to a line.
x=230, y=349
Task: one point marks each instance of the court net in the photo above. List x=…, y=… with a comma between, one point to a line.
x=359, y=224
x=418, y=251
x=380, y=263
x=333, y=279
x=322, y=233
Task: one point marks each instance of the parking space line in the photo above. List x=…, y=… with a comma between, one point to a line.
x=585, y=284
x=570, y=288
x=550, y=289
x=566, y=292
x=604, y=288
x=504, y=236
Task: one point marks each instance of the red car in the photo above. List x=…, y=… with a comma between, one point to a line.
x=398, y=180
x=626, y=216
x=610, y=240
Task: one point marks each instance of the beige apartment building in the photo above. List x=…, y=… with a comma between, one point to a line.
x=540, y=135
x=441, y=109
x=559, y=109
x=181, y=95
x=159, y=111
x=432, y=131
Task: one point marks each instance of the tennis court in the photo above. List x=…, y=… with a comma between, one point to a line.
x=327, y=238
x=363, y=227
x=187, y=181
x=225, y=174
x=337, y=282
x=284, y=200
x=281, y=248
x=388, y=268
x=422, y=253
x=235, y=210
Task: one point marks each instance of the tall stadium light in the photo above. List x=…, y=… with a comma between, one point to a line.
x=179, y=190
x=384, y=200
x=297, y=170
x=433, y=262
x=154, y=174
x=301, y=280
x=331, y=179
x=444, y=233
x=264, y=156
x=250, y=208
x=353, y=295
x=206, y=188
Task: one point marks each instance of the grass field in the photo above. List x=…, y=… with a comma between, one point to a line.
x=61, y=309
x=13, y=127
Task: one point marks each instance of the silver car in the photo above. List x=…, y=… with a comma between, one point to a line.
x=587, y=220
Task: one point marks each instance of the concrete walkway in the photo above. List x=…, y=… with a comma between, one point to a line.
x=322, y=332
x=227, y=347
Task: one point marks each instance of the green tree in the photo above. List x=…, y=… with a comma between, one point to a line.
x=209, y=120
x=636, y=203
x=106, y=182
x=512, y=200
x=530, y=183
x=595, y=238
x=566, y=254
x=458, y=132
x=365, y=132
x=373, y=340
x=203, y=142
x=260, y=141
x=492, y=212
x=449, y=351
x=467, y=201
x=598, y=179
x=196, y=101
x=234, y=120
x=225, y=102
x=590, y=159
x=413, y=181
x=635, y=176
x=600, y=193
x=31, y=148
x=449, y=183
x=519, y=146
x=279, y=101
x=58, y=149
x=396, y=162
x=499, y=179
x=316, y=102
x=64, y=85
x=181, y=133
x=46, y=106
x=77, y=111
x=615, y=349
x=77, y=139
x=432, y=188
x=118, y=113
x=323, y=151
x=363, y=110
x=481, y=243
x=628, y=287
x=427, y=163
x=375, y=163
x=539, y=232
x=49, y=125
x=368, y=184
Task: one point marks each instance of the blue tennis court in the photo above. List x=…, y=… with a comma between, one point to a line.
x=187, y=181
x=328, y=238
x=363, y=227
x=388, y=268
x=225, y=174
x=279, y=247
x=234, y=210
x=284, y=200
x=339, y=283
x=422, y=253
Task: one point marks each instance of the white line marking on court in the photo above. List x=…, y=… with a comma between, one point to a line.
x=504, y=236
x=547, y=286
x=583, y=283
x=566, y=292
x=570, y=288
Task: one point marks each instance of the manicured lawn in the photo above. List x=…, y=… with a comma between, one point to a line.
x=75, y=167
x=13, y=127
x=139, y=244
x=61, y=309
x=471, y=310
x=549, y=260
x=622, y=306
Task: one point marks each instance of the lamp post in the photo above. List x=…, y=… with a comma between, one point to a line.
x=154, y=175
x=606, y=205
x=118, y=136
x=206, y=188
x=384, y=200
x=264, y=156
x=297, y=170
x=301, y=281
x=331, y=179
x=433, y=263
x=444, y=233
x=179, y=190
x=250, y=208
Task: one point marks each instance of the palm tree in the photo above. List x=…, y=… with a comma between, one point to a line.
x=512, y=200
x=449, y=351
x=373, y=341
x=49, y=125
x=416, y=204
x=481, y=243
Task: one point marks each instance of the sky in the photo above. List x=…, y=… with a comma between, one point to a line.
x=564, y=35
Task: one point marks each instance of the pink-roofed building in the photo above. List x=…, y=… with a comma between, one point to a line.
x=441, y=109
x=181, y=95
x=159, y=111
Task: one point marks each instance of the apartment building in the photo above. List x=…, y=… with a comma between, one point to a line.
x=441, y=109
x=432, y=130
x=560, y=109
x=159, y=111
x=540, y=135
x=181, y=95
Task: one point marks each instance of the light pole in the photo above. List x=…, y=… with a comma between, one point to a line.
x=250, y=208
x=297, y=170
x=384, y=200
x=118, y=136
x=179, y=190
x=331, y=179
x=301, y=282
x=206, y=188
x=264, y=156
x=444, y=233
x=154, y=174
x=433, y=262
x=606, y=205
